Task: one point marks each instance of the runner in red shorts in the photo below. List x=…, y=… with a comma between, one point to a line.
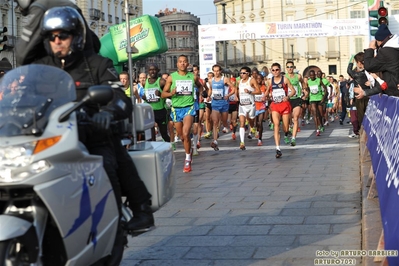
x=281, y=108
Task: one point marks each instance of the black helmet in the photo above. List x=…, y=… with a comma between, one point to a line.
x=66, y=19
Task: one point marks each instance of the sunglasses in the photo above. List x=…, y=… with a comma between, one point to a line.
x=243, y=73
x=290, y=66
x=62, y=36
x=276, y=69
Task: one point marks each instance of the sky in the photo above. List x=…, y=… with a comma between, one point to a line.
x=204, y=9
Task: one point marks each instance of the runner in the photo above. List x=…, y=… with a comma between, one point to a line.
x=220, y=94
x=197, y=120
x=316, y=98
x=261, y=109
x=180, y=86
x=247, y=88
x=280, y=107
x=233, y=109
x=295, y=101
x=208, y=108
x=152, y=91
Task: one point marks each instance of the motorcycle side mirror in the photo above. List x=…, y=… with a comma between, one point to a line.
x=99, y=94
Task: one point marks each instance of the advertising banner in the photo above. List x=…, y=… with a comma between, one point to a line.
x=382, y=126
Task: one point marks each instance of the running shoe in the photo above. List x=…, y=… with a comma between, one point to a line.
x=249, y=135
x=298, y=130
x=198, y=144
x=231, y=127
x=225, y=130
x=195, y=153
x=174, y=146
x=341, y=122
x=260, y=142
x=187, y=166
x=293, y=142
x=233, y=136
x=317, y=132
x=257, y=135
x=177, y=139
x=326, y=123
x=321, y=129
x=214, y=146
x=208, y=135
x=278, y=154
x=303, y=123
x=332, y=119
x=242, y=146
x=271, y=126
x=286, y=139
x=307, y=122
x=353, y=135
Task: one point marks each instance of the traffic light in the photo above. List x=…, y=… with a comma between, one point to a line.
x=3, y=39
x=380, y=17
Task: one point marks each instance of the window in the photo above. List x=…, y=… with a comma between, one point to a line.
x=330, y=15
x=357, y=14
x=331, y=44
x=332, y=70
x=289, y=2
x=359, y=46
x=394, y=12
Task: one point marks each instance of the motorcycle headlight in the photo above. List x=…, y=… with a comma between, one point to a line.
x=15, y=161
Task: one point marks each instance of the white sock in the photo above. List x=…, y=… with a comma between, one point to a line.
x=242, y=134
x=195, y=139
x=188, y=157
x=277, y=147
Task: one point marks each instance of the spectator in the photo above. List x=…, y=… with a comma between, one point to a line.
x=386, y=61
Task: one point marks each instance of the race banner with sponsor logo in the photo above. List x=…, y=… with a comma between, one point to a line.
x=382, y=126
x=209, y=34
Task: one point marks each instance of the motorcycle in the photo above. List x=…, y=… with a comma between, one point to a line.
x=57, y=206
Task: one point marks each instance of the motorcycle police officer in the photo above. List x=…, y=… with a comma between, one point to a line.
x=64, y=34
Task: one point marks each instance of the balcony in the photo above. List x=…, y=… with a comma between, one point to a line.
x=333, y=55
x=261, y=58
x=95, y=14
x=312, y=55
x=294, y=56
x=110, y=19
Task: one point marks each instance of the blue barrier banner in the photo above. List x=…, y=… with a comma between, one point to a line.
x=381, y=124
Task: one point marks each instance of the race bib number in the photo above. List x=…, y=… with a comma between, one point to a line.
x=233, y=98
x=184, y=87
x=245, y=100
x=259, y=97
x=296, y=90
x=314, y=89
x=217, y=94
x=151, y=96
x=278, y=95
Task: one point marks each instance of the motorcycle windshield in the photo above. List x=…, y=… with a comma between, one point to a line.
x=28, y=95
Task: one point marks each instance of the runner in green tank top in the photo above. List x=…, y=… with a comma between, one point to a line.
x=152, y=95
x=295, y=101
x=317, y=91
x=180, y=87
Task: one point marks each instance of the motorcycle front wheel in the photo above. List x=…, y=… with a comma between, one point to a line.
x=14, y=253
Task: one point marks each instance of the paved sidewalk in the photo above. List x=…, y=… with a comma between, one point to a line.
x=249, y=208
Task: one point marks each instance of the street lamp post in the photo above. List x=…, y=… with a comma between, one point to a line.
x=292, y=52
x=224, y=42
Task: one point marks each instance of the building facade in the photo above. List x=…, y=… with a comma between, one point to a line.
x=181, y=33
x=331, y=54
x=99, y=14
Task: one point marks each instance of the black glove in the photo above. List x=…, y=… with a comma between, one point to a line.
x=102, y=119
x=206, y=79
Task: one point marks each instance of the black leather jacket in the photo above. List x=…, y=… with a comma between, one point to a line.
x=87, y=69
x=358, y=76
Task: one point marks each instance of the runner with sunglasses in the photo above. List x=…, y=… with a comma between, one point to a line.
x=295, y=101
x=247, y=88
x=280, y=89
